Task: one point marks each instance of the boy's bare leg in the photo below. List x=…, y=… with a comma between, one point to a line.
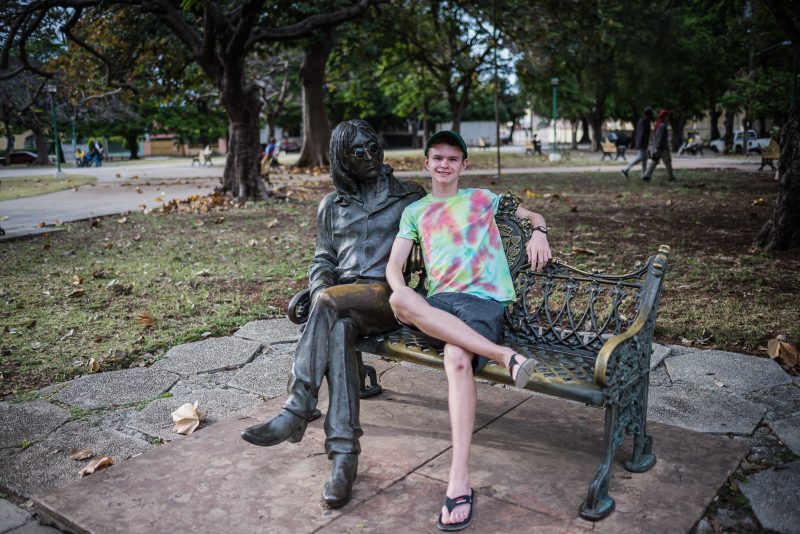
x=462, y=400
x=411, y=308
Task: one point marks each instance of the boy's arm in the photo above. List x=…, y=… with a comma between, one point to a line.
x=394, y=269
x=538, y=248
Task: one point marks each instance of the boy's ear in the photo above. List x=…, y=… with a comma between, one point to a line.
x=465, y=163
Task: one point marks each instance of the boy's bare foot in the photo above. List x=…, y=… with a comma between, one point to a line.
x=457, y=511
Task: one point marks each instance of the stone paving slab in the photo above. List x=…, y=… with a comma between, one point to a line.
x=773, y=496
x=156, y=420
x=33, y=528
x=413, y=504
x=208, y=356
x=659, y=377
x=12, y=516
x=270, y=331
x=28, y=421
x=782, y=401
x=523, y=472
x=543, y=454
x=703, y=410
x=740, y=372
x=788, y=430
x=115, y=388
x=212, y=481
x=23, y=472
x=660, y=352
x=267, y=375
x=411, y=414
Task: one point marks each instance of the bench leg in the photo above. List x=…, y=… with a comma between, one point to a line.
x=368, y=371
x=599, y=503
x=642, y=458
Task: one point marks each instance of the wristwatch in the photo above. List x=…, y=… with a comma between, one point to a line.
x=542, y=229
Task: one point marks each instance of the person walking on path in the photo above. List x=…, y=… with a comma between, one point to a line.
x=641, y=140
x=661, y=149
x=469, y=285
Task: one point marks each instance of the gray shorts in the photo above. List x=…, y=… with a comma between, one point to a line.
x=485, y=316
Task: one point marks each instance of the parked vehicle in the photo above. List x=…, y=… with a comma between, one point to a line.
x=289, y=146
x=754, y=144
x=27, y=158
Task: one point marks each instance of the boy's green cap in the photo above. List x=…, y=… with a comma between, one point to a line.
x=449, y=134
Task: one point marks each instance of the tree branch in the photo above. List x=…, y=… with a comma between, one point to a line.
x=310, y=24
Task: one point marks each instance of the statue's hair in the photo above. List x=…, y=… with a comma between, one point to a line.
x=341, y=139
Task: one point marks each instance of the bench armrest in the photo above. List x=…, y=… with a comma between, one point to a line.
x=629, y=352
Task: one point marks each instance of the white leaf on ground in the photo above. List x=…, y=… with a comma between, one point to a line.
x=187, y=418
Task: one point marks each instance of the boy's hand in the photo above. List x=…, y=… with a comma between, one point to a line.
x=538, y=250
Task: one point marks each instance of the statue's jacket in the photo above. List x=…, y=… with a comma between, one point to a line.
x=353, y=242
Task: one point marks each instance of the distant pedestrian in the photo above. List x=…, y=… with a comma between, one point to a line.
x=661, y=149
x=641, y=140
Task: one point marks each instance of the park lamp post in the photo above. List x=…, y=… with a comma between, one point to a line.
x=554, y=155
x=51, y=88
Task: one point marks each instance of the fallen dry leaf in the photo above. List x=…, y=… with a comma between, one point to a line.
x=187, y=418
x=581, y=250
x=96, y=465
x=76, y=280
x=122, y=220
x=145, y=318
x=159, y=199
x=252, y=243
x=203, y=272
x=41, y=225
x=219, y=220
x=108, y=245
x=93, y=365
x=77, y=293
x=138, y=189
x=272, y=223
x=786, y=353
x=759, y=202
x=719, y=383
x=80, y=454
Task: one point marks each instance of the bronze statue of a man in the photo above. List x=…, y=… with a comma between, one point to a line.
x=356, y=225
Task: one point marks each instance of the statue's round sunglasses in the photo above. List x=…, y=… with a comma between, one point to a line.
x=361, y=152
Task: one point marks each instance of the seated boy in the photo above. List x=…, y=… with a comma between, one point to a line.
x=469, y=284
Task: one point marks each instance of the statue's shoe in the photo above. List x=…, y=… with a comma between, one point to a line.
x=285, y=426
x=338, y=488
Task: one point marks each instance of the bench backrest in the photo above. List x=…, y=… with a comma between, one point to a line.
x=565, y=307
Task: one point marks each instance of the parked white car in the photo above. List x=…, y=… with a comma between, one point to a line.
x=754, y=144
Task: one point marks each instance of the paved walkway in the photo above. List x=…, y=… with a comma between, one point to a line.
x=721, y=403
x=129, y=187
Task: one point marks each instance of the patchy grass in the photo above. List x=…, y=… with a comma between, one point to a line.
x=487, y=159
x=78, y=294
x=199, y=274
x=14, y=187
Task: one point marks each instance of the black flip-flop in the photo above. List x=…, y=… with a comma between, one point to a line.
x=451, y=504
x=525, y=372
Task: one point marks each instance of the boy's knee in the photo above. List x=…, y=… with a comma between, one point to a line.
x=457, y=359
x=400, y=304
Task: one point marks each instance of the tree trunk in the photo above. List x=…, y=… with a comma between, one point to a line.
x=728, y=130
x=782, y=231
x=574, y=127
x=316, y=128
x=132, y=139
x=241, y=177
x=585, y=128
x=714, y=117
x=677, y=122
x=42, y=148
x=762, y=126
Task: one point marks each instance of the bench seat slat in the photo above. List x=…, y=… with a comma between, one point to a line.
x=559, y=373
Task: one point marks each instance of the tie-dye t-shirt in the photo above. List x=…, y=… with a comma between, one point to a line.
x=461, y=244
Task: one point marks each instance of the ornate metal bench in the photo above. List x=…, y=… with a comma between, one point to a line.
x=591, y=333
